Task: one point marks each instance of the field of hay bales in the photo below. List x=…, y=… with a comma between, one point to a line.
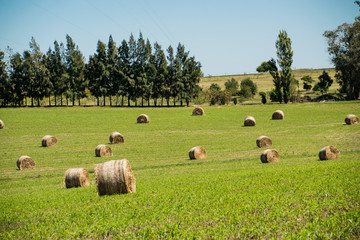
x=229, y=194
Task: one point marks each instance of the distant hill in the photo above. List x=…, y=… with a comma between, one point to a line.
x=264, y=80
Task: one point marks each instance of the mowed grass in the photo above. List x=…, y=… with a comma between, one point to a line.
x=231, y=194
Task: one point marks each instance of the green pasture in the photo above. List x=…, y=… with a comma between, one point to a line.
x=228, y=195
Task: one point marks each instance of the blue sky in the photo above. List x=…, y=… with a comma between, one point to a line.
x=227, y=37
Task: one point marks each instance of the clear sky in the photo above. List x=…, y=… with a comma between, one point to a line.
x=227, y=37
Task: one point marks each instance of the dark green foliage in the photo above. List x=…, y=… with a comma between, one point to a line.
x=232, y=85
x=307, y=80
x=274, y=96
x=282, y=78
x=324, y=83
x=235, y=100
x=75, y=68
x=263, y=97
x=133, y=70
x=267, y=66
x=215, y=87
x=344, y=49
x=248, y=88
x=5, y=89
x=220, y=97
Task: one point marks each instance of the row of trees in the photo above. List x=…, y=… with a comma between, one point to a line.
x=133, y=70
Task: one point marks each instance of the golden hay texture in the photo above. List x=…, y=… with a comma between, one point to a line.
x=103, y=151
x=143, y=118
x=77, y=177
x=328, y=153
x=25, y=162
x=263, y=141
x=197, y=153
x=249, y=121
x=278, y=115
x=351, y=119
x=116, y=137
x=115, y=177
x=270, y=155
x=2, y=125
x=198, y=111
x=48, y=141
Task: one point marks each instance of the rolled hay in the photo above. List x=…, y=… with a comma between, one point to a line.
x=198, y=111
x=25, y=162
x=263, y=141
x=278, y=115
x=270, y=155
x=77, y=177
x=328, y=153
x=197, y=153
x=2, y=125
x=143, y=118
x=103, y=151
x=114, y=177
x=249, y=121
x=351, y=119
x=48, y=141
x=116, y=137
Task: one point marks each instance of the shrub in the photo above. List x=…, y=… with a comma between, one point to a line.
x=247, y=88
x=263, y=97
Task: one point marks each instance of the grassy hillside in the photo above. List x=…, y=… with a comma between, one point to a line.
x=264, y=80
x=231, y=194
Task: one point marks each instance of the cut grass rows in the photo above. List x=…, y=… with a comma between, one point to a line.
x=231, y=194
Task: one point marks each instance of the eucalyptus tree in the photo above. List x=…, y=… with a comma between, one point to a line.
x=124, y=71
x=113, y=82
x=344, y=49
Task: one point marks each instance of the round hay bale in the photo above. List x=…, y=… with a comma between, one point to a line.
x=143, y=118
x=48, y=141
x=77, y=177
x=2, y=125
x=263, y=141
x=249, y=121
x=351, y=119
x=115, y=177
x=278, y=115
x=198, y=111
x=270, y=155
x=103, y=151
x=197, y=153
x=25, y=162
x=328, y=153
x=116, y=137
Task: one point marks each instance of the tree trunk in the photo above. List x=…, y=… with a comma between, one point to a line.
x=168, y=102
x=128, y=102
x=55, y=99
x=61, y=100
x=174, y=101
x=79, y=101
x=142, y=101
x=155, y=101
x=73, y=100
x=98, y=102
x=110, y=100
x=187, y=102
x=104, y=100
x=32, y=101
x=49, y=101
x=162, y=99
x=122, y=100
x=67, y=101
x=38, y=100
x=148, y=102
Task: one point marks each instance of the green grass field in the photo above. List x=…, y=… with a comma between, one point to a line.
x=229, y=195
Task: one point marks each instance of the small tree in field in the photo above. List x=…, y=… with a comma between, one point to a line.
x=248, y=88
x=307, y=80
x=232, y=85
x=324, y=83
